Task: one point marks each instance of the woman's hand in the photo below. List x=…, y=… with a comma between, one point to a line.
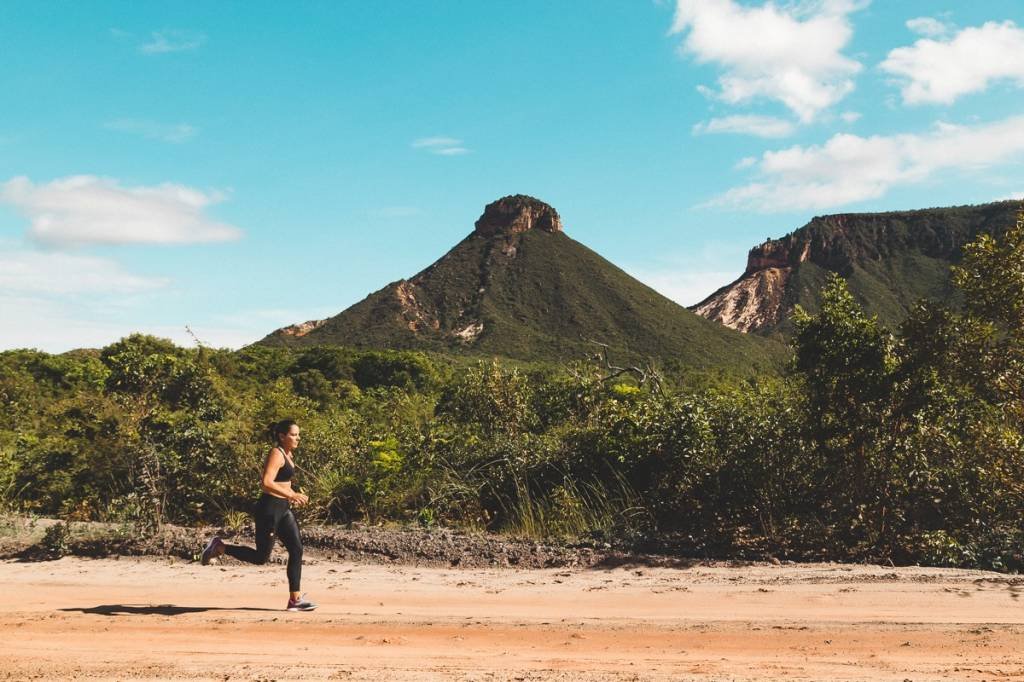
x=299, y=499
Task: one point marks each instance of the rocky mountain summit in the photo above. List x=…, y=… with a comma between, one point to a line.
x=515, y=214
x=518, y=286
x=890, y=260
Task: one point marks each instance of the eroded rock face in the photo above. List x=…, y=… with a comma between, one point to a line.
x=752, y=303
x=415, y=315
x=777, y=253
x=515, y=214
x=303, y=328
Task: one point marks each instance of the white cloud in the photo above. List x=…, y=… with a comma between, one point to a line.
x=940, y=71
x=162, y=42
x=849, y=168
x=56, y=326
x=444, y=146
x=761, y=126
x=746, y=162
x=930, y=27
x=85, y=209
x=50, y=326
x=436, y=142
x=152, y=130
x=789, y=53
x=707, y=92
x=58, y=301
x=56, y=273
x=850, y=116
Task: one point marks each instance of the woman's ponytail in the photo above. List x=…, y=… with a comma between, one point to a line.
x=279, y=429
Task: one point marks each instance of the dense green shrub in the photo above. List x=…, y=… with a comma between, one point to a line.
x=905, y=445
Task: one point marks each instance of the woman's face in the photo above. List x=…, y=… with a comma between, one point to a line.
x=290, y=440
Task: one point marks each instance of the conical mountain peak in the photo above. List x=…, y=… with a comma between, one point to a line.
x=519, y=287
x=517, y=213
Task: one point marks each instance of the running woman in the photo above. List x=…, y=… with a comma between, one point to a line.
x=274, y=515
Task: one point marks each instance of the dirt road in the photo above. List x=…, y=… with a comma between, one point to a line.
x=160, y=619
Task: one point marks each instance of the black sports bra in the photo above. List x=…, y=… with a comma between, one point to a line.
x=286, y=472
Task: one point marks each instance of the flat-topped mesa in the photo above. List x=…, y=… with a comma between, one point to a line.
x=517, y=213
x=777, y=253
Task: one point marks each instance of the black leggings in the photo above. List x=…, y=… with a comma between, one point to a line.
x=273, y=517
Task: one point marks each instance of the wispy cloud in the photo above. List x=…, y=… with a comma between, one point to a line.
x=930, y=27
x=62, y=300
x=849, y=168
x=850, y=116
x=939, y=71
x=444, y=146
x=759, y=126
x=86, y=209
x=52, y=325
x=109, y=304
x=55, y=326
x=36, y=272
x=172, y=40
x=173, y=133
x=790, y=53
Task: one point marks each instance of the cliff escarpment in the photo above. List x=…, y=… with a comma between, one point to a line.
x=890, y=261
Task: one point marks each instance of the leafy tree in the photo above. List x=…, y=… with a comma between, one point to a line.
x=991, y=276
x=906, y=446
x=410, y=370
x=846, y=364
x=496, y=399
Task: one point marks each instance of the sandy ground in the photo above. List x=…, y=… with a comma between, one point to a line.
x=160, y=619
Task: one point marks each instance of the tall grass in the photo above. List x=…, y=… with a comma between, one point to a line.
x=574, y=510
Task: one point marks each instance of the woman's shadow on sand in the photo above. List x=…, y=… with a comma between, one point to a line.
x=157, y=610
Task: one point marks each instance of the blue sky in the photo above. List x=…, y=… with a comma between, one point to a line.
x=236, y=167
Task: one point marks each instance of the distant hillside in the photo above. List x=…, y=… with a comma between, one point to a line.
x=890, y=260
x=517, y=286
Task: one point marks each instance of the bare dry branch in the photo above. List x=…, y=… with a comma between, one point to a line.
x=647, y=375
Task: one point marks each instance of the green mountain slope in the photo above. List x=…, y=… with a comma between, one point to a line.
x=519, y=287
x=890, y=260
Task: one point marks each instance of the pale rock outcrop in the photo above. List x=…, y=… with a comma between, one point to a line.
x=302, y=328
x=755, y=301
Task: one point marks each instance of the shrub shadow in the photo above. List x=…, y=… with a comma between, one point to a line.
x=156, y=610
x=644, y=561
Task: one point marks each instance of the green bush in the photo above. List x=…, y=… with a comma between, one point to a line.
x=56, y=541
x=905, y=445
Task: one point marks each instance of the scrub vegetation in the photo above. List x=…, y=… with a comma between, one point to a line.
x=904, y=444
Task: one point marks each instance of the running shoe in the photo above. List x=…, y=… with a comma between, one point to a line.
x=214, y=549
x=300, y=604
